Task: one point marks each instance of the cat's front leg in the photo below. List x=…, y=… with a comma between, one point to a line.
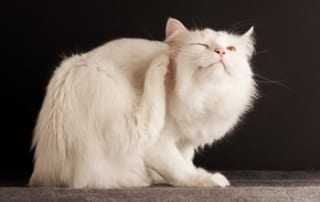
x=165, y=159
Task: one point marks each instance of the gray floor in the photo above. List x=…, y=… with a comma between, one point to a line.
x=254, y=186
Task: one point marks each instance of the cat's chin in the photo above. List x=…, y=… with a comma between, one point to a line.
x=213, y=65
x=221, y=65
x=218, y=64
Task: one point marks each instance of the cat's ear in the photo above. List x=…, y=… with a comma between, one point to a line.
x=248, y=38
x=249, y=33
x=173, y=27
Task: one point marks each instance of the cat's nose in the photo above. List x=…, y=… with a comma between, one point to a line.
x=220, y=51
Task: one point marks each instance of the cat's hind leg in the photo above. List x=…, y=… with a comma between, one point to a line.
x=150, y=112
x=129, y=120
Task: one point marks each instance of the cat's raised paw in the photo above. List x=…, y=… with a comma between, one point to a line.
x=161, y=63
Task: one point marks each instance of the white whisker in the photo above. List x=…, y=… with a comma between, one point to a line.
x=269, y=81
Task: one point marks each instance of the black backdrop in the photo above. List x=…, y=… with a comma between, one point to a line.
x=282, y=132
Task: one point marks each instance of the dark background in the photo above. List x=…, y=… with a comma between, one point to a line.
x=281, y=133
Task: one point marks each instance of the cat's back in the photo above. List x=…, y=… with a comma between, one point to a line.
x=127, y=53
x=123, y=60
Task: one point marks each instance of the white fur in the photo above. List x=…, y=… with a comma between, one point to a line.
x=114, y=117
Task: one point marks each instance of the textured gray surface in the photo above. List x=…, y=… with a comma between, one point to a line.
x=246, y=186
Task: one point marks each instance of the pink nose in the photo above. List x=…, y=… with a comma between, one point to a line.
x=220, y=51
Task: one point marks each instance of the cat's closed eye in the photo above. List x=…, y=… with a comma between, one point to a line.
x=201, y=44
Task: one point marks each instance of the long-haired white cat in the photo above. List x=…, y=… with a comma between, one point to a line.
x=132, y=112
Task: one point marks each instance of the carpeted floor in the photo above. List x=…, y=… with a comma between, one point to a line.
x=254, y=186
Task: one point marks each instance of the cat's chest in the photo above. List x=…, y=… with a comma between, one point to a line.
x=212, y=119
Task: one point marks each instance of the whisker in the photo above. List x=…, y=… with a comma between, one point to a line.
x=261, y=52
x=236, y=26
x=269, y=81
x=243, y=23
x=194, y=24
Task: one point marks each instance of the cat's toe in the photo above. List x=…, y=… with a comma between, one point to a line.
x=161, y=64
x=220, y=180
x=163, y=59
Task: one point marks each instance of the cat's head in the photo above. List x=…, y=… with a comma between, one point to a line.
x=208, y=57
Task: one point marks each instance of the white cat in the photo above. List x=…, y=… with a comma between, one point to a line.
x=133, y=111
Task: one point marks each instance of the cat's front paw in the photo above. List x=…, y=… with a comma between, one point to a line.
x=220, y=180
x=206, y=179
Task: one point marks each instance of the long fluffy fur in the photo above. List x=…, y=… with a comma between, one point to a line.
x=113, y=118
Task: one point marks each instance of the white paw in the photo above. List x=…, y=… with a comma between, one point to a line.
x=160, y=64
x=205, y=179
x=220, y=180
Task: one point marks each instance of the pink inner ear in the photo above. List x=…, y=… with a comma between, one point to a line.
x=173, y=25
